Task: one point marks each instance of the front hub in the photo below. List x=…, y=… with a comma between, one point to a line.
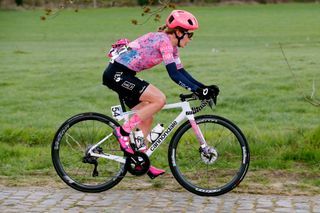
x=209, y=156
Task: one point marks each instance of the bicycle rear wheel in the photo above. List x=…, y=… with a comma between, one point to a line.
x=215, y=174
x=71, y=161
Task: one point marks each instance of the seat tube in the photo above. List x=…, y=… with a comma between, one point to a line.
x=197, y=131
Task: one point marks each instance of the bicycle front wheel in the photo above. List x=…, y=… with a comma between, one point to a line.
x=70, y=153
x=210, y=174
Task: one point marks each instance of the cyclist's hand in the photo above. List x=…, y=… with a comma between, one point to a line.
x=204, y=93
x=215, y=89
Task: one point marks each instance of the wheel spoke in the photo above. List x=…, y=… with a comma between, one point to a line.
x=74, y=140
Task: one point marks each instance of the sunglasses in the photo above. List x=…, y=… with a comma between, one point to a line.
x=190, y=34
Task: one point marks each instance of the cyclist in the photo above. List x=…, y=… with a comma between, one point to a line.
x=145, y=52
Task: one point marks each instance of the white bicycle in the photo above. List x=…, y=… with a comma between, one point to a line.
x=208, y=154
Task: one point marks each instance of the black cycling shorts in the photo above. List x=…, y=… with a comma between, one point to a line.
x=122, y=80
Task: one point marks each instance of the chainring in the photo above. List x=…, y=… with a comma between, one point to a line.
x=137, y=164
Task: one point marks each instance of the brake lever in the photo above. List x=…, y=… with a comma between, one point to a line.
x=211, y=103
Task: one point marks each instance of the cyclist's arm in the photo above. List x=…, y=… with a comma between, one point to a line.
x=173, y=64
x=190, y=78
x=180, y=78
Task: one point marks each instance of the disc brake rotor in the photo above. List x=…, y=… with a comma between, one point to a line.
x=210, y=156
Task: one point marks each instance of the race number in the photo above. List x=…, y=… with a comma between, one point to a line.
x=117, y=112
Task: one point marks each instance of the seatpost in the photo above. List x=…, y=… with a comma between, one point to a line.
x=122, y=104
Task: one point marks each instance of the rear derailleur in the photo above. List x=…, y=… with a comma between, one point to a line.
x=92, y=160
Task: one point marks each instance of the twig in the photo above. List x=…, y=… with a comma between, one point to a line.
x=164, y=4
x=310, y=99
x=313, y=89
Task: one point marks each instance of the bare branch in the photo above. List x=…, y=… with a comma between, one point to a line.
x=155, y=13
x=51, y=13
x=310, y=99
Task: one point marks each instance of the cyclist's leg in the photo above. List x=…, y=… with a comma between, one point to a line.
x=154, y=100
x=138, y=94
x=122, y=80
x=145, y=125
x=150, y=102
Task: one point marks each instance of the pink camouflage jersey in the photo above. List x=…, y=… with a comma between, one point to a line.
x=148, y=51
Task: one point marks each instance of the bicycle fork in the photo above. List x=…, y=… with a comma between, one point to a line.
x=208, y=154
x=197, y=131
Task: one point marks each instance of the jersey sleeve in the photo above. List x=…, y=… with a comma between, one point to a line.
x=170, y=54
x=166, y=51
x=177, y=58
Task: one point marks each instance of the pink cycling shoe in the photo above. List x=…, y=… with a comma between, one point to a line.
x=124, y=141
x=154, y=172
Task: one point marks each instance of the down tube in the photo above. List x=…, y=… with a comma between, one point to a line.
x=166, y=133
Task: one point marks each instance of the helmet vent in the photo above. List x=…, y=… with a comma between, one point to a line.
x=171, y=19
x=190, y=22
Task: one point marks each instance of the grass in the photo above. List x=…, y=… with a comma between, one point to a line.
x=51, y=70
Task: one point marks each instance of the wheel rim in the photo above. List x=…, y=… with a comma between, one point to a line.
x=218, y=175
x=73, y=146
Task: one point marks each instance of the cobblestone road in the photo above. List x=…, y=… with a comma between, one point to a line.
x=69, y=200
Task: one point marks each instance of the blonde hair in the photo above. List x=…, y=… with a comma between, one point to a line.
x=166, y=29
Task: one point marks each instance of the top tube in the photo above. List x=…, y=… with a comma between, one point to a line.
x=183, y=98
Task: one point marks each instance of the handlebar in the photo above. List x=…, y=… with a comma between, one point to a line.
x=192, y=96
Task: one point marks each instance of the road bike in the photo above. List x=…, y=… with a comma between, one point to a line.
x=208, y=154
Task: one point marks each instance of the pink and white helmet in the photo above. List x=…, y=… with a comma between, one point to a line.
x=182, y=18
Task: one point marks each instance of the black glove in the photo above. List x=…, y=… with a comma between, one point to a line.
x=204, y=93
x=215, y=89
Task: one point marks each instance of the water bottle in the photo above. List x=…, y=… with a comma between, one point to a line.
x=139, y=140
x=155, y=133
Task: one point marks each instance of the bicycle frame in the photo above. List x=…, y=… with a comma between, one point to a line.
x=186, y=112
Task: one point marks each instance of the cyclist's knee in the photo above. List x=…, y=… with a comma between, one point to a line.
x=154, y=95
x=161, y=100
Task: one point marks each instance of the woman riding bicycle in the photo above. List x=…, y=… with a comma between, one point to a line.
x=143, y=53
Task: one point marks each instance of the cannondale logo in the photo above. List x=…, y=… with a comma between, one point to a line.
x=205, y=91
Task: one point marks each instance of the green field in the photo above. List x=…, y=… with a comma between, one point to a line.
x=51, y=70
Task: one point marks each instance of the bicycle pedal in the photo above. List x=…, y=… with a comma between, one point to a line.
x=151, y=176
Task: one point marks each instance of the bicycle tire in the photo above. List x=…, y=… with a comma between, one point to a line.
x=69, y=147
x=209, y=178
